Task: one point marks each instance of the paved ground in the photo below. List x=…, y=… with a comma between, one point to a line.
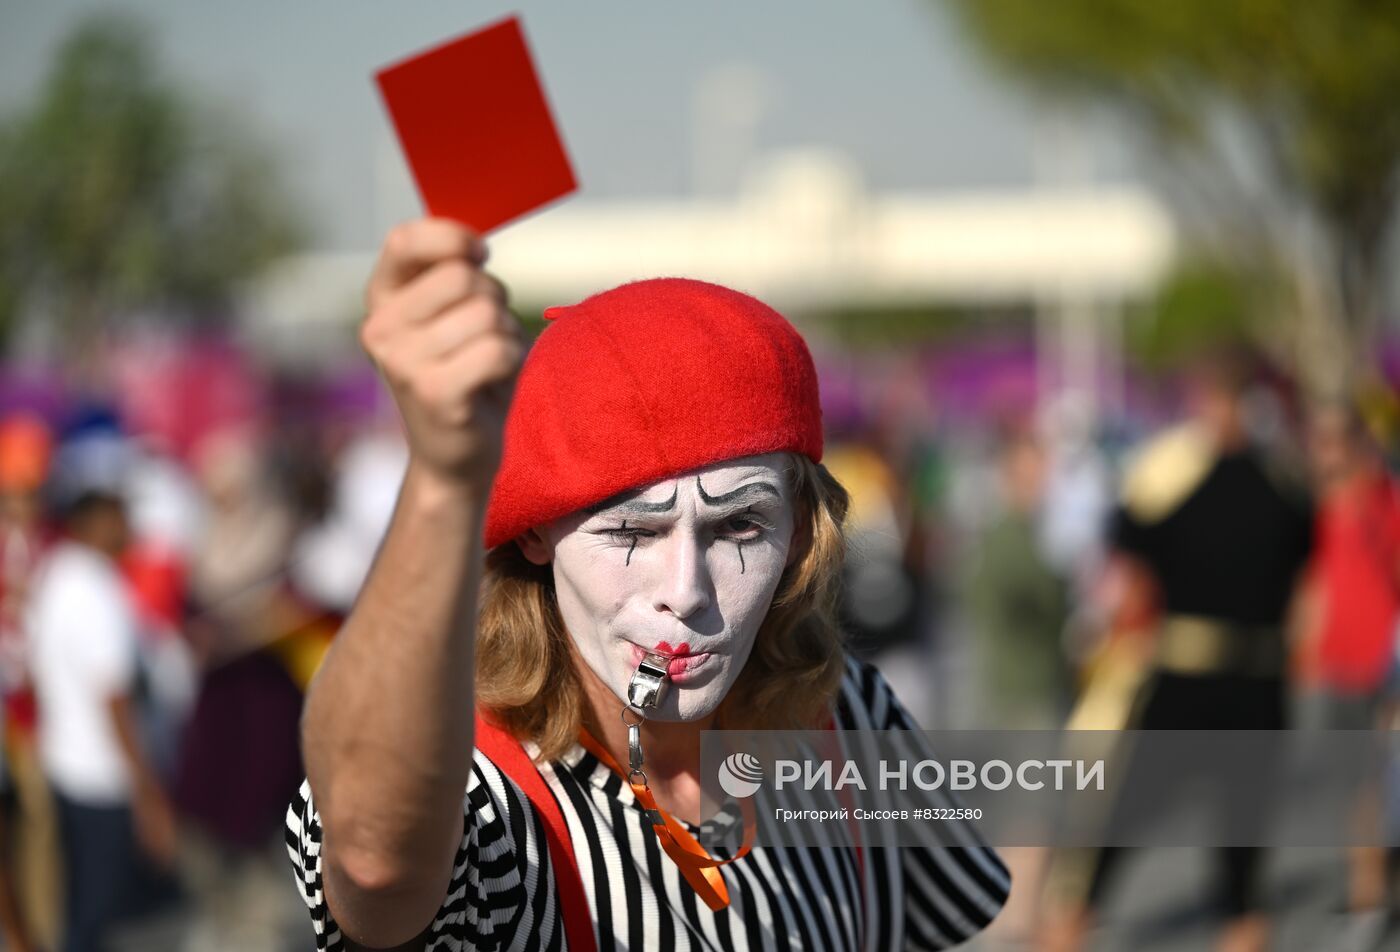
x=165, y=934
x=1162, y=903
x=1159, y=904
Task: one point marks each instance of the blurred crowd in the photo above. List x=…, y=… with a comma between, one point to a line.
x=1222, y=553
x=166, y=591
x=1226, y=557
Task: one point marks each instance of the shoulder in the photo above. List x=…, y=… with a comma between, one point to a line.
x=1289, y=481
x=1166, y=470
x=53, y=568
x=71, y=573
x=71, y=561
x=953, y=884
x=867, y=702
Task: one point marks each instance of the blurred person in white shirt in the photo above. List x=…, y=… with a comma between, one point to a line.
x=83, y=636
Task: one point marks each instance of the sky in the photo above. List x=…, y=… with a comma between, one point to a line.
x=656, y=99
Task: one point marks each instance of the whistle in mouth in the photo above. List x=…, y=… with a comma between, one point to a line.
x=648, y=682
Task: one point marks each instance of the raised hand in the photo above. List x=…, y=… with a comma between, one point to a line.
x=439, y=331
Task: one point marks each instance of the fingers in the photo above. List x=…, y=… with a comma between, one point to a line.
x=399, y=338
x=496, y=288
x=414, y=319
x=454, y=391
x=443, y=285
x=439, y=332
x=413, y=247
x=485, y=361
x=461, y=324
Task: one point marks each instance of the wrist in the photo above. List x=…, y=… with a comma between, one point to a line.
x=442, y=494
x=147, y=787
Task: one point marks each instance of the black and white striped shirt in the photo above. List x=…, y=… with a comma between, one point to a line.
x=502, y=895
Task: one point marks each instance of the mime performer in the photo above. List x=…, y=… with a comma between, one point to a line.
x=594, y=557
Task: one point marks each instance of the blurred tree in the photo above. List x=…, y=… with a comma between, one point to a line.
x=890, y=327
x=1202, y=305
x=1304, y=96
x=118, y=193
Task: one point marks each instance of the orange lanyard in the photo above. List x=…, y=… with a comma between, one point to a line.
x=695, y=863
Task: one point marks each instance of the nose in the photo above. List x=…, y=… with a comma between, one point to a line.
x=684, y=589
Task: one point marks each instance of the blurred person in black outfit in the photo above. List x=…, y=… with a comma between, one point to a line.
x=1221, y=533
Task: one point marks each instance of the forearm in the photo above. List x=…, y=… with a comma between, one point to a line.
x=143, y=775
x=387, y=730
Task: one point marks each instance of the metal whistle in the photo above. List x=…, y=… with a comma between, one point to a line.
x=648, y=682
x=643, y=693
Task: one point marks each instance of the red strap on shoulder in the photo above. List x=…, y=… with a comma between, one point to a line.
x=507, y=754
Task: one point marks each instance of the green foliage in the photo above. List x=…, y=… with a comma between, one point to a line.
x=1316, y=81
x=117, y=193
x=894, y=326
x=1201, y=306
x=1314, y=87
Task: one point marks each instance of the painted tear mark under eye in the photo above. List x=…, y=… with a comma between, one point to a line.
x=738, y=543
x=633, y=546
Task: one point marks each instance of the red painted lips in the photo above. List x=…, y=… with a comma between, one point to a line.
x=680, y=661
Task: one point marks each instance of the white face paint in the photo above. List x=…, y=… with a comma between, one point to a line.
x=688, y=566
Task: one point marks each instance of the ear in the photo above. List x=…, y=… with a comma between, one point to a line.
x=535, y=547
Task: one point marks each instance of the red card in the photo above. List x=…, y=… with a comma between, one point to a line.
x=476, y=129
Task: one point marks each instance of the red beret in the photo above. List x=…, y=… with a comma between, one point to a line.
x=643, y=382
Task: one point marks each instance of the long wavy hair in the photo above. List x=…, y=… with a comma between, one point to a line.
x=527, y=682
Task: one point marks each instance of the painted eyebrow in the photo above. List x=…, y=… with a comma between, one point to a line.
x=627, y=502
x=742, y=494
